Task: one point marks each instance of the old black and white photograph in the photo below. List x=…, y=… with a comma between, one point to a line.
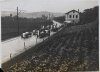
x=49, y=35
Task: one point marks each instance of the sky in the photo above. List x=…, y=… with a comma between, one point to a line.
x=47, y=5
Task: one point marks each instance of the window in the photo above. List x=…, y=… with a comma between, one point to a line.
x=73, y=16
x=69, y=16
x=76, y=16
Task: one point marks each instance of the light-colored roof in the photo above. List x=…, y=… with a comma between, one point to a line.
x=72, y=11
x=67, y=21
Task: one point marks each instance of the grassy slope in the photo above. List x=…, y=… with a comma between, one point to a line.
x=72, y=49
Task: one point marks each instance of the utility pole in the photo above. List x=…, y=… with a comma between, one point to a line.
x=17, y=20
x=10, y=56
x=49, y=16
x=49, y=24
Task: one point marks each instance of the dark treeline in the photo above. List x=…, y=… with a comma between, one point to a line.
x=9, y=25
x=88, y=15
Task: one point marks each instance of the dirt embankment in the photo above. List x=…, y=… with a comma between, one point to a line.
x=71, y=49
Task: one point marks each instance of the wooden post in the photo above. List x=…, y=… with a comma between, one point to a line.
x=24, y=44
x=43, y=38
x=36, y=39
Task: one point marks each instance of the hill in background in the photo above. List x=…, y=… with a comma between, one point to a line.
x=31, y=14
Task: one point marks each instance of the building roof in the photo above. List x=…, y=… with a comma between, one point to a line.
x=72, y=11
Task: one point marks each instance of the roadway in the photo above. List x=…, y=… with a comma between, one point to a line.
x=17, y=45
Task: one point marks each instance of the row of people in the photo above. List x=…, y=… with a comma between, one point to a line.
x=42, y=32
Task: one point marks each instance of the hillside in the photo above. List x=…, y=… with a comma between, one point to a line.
x=71, y=49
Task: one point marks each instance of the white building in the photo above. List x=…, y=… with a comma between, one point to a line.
x=72, y=16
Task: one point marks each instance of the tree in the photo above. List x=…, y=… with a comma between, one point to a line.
x=89, y=15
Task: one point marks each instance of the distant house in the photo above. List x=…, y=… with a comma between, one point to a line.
x=72, y=16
